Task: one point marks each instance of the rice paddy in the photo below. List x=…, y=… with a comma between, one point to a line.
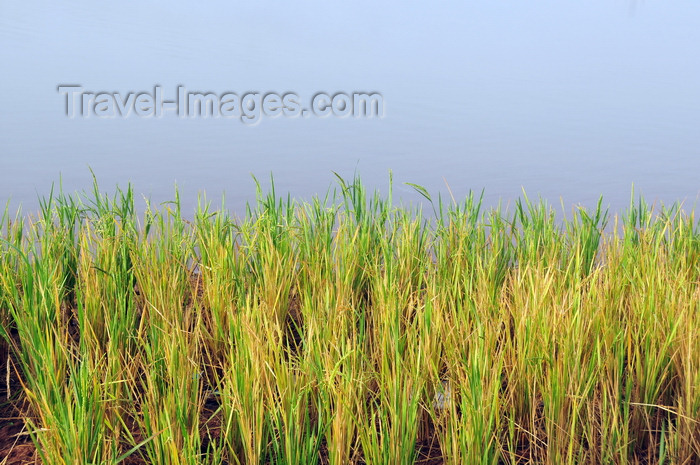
x=347, y=330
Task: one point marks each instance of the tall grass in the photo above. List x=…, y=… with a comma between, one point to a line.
x=345, y=329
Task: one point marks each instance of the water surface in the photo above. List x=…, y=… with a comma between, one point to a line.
x=565, y=100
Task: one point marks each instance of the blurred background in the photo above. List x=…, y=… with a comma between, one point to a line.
x=567, y=100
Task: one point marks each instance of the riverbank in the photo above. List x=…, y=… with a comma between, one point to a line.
x=349, y=331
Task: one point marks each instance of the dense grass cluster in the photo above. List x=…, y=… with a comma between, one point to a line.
x=346, y=330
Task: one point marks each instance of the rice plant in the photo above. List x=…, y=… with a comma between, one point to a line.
x=344, y=329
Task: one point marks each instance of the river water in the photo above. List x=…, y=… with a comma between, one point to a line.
x=566, y=100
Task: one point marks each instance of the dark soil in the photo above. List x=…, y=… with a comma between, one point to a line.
x=16, y=446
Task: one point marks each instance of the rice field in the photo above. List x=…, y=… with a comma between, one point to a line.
x=345, y=329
